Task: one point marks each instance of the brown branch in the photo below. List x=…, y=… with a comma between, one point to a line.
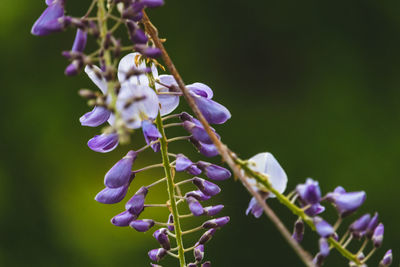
x=223, y=150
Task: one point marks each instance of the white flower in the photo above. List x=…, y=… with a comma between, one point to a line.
x=266, y=164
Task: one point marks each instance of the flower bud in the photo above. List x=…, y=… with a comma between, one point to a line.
x=157, y=254
x=49, y=21
x=112, y=195
x=103, y=143
x=200, y=89
x=192, y=264
x=387, y=259
x=152, y=52
x=207, y=236
x=213, y=210
x=315, y=210
x=152, y=3
x=213, y=171
x=309, y=192
x=197, y=131
x=136, y=204
x=216, y=223
x=120, y=173
x=206, y=187
x=195, y=207
x=162, y=237
x=80, y=41
x=182, y=163
x=212, y=111
x=142, y=225
x=123, y=219
x=323, y=228
x=324, y=247
x=198, y=253
x=171, y=221
x=200, y=196
x=358, y=227
x=208, y=150
x=377, y=237
x=206, y=264
x=373, y=223
x=151, y=134
x=298, y=230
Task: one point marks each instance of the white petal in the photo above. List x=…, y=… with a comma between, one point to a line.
x=101, y=83
x=267, y=164
x=168, y=103
x=127, y=63
x=140, y=110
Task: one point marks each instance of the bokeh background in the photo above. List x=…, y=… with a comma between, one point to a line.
x=314, y=82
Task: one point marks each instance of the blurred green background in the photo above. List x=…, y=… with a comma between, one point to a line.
x=314, y=82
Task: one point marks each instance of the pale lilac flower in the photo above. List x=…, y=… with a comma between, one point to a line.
x=96, y=117
x=254, y=208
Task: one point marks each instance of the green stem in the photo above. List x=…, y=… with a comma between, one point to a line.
x=262, y=179
x=171, y=191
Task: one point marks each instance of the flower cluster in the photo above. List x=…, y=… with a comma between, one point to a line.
x=134, y=96
x=308, y=198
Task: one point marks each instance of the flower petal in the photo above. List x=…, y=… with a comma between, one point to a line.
x=201, y=89
x=213, y=112
x=100, y=83
x=127, y=63
x=48, y=22
x=103, y=143
x=96, y=117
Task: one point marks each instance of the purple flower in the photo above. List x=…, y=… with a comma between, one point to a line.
x=206, y=264
x=346, y=203
x=123, y=219
x=120, y=173
x=323, y=228
x=103, y=143
x=360, y=225
x=387, y=259
x=193, y=170
x=373, y=223
x=216, y=223
x=213, y=210
x=213, y=171
x=194, y=205
x=315, y=209
x=96, y=117
x=298, y=231
x=199, y=253
x=201, y=89
x=80, y=41
x=152, y=52
x=157, y=254
x=112, y=195
x=309, y=192
x=197, y=131
x=151, y=134
x=136, y=204
x=206, y=236
x=200, y=196
x=152, y=3
x=49, y=21
x=377, y=237
x=212, y=111
x=254, y=208
x=162, y=237
x=324, y=247
x=206, y=187
x=142, y=225
x=182, y=163
x=171, y=221
x=208, y=150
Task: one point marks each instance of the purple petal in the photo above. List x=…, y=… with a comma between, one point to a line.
x=254, y=208
x=162, y=237
x=103, y=143
x=142, y=225
x=206, y=187
x=309, y=192
x=324, y=229
x=48, y=22
x=195, y=207
x=120, y=173
x=80, y=41
x=216, y=223
x=157, y=254
x=200, y=196
x=123, y=219
x=112, y=195
x=315, y=209
x=208, y=150
x=201, y=89
x=213, y=171
x=96, y=117
x=182, y=163
x=151, y=134
x=199, y=253
x=136, y=203
x=212, y=111
x=213, y=210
